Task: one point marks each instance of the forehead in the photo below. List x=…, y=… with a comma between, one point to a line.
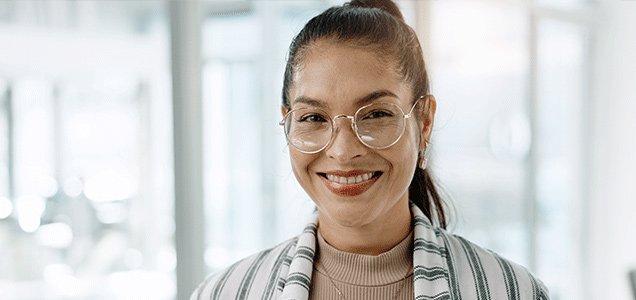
x=338, y=75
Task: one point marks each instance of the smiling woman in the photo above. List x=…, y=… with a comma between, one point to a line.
x=358, y=116
x=371, y=216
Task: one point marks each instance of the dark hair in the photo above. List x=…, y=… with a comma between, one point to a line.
x=376, y=25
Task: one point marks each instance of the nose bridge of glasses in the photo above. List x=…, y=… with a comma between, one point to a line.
x=351, y=118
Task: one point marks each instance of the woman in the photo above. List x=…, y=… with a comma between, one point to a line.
x=358, y=119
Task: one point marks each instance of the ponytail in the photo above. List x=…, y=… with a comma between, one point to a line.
x=423, y=193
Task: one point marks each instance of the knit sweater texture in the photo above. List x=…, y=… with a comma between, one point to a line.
x=388, y=275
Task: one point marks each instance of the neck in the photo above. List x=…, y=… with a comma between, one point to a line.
x=374, y=238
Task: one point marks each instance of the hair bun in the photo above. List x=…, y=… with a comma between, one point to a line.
x=385, y=5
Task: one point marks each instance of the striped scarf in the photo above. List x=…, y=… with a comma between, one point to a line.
x=445, y=267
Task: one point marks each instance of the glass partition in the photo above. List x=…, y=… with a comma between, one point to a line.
x=85, y=168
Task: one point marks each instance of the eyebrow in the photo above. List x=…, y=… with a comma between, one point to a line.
x=375, y=95
x=360, y=102
x=310, y=101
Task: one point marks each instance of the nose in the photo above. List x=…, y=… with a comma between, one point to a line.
x=345, y=144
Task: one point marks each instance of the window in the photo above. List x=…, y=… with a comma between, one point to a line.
x=85, y=172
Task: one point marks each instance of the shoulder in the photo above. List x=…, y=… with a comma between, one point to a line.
x=255, y=276
x=478, y=271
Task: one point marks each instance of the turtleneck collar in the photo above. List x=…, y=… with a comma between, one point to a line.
x=365, y=270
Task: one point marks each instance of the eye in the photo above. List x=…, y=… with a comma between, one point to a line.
x=312, y=118
x=376, y=114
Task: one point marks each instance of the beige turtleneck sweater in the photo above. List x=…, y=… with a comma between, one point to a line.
x=386, y=276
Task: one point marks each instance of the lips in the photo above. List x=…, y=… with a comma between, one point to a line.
x=351, y=183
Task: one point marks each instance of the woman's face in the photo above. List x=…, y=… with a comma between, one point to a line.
x=335, y=77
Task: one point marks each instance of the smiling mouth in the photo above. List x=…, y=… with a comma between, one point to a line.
x=351, y=179
x=350, y=185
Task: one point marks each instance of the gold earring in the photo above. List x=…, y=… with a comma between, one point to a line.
x=423, y=159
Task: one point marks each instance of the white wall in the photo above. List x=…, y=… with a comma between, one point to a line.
x=613, y=182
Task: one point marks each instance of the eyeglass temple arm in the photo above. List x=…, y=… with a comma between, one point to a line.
x=414, y=105
x=282, y=122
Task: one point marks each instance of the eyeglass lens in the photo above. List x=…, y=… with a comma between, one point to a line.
x=378, y=126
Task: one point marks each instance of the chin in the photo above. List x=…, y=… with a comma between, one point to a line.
x=348, y=214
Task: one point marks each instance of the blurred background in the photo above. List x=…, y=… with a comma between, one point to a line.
x=140, y=150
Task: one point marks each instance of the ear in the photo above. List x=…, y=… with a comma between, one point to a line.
x=283, y=110
x=427, y=116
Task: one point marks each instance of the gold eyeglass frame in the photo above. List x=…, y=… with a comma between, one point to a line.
x=354, y=126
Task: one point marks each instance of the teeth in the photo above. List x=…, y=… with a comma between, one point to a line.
x=350, y=180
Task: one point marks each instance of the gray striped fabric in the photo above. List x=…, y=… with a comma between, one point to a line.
x=445, y=267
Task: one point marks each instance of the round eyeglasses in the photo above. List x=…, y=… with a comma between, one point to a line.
x=377, y=126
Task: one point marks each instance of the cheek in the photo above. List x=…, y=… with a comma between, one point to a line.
x=414, y=133
x=407, y=162
x=411, y=142
x=300, y=164
x=407, y=154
